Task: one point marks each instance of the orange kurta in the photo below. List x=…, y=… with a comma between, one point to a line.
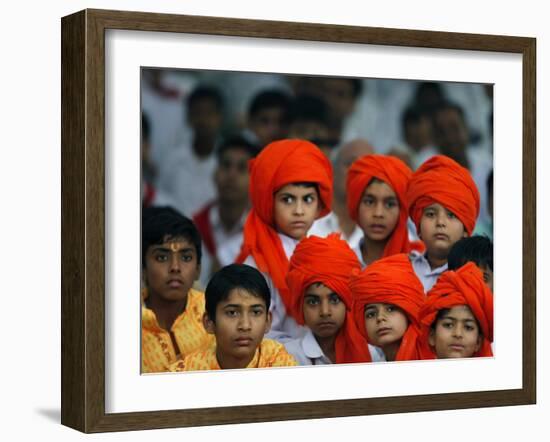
x=280, y=163
x=444, y=181
x=396, y=174
x=464, y=286
x=269, y=354
x=157, y=349
x=391, y=280
x=331, y=262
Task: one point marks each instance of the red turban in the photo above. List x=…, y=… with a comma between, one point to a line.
x=278, y=164
x=394, y=173
x=329, y=261
x=391, y=280
x=464, y=286
x=442, y=180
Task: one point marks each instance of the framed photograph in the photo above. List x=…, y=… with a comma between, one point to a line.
x=107, y=56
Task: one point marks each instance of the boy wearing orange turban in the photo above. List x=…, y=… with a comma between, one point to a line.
x=457, y=317
x=444, y=205
x=376, y=187
x=290, y=187
x=318, y=279
x=387, y=299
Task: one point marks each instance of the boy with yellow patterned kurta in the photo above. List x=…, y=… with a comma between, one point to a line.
x=171, y=321
x=237, y=314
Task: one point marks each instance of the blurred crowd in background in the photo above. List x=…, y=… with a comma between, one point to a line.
x=200, y=128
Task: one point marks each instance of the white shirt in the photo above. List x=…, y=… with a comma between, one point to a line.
x=283, y=327
x=188, y=179
x=423, y=270
x=329, y=224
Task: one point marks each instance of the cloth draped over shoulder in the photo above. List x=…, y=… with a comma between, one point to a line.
x=331, y=262
x=278, y=164
x=464, y=286
x=391, y=280
x=396, y=174
x=442, y=180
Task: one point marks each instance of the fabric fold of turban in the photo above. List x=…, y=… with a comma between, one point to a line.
x=394, y=173
x=331, y=262
x=391, y=280
x=442, y=180
x=278, y=164
x=464, y=286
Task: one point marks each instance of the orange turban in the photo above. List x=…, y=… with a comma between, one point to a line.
x=442, y=180
x=464, y=286
x=329, y=261
x=396, y=174
x=278, y=164
x=391, y=280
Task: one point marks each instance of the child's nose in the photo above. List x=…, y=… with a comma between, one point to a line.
x=244, y=323
x=174, y=263
x=299, y=208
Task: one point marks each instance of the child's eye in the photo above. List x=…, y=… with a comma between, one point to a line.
x=429, y=214
x=257, y=312
x=390, y=308
x=161, y=257
x=309, y=199
x=310, y=300
x=334, y=299
x=187, y=258
x=447, y=324
x=369, y=314
x=451, y=214
x=391, y=204
x=287, y=199
x=368, y=201
x=231, y=313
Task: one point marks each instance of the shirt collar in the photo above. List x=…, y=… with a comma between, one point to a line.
x=311, y=346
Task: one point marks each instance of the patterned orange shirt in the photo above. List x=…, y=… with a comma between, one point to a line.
x=157, y=349
x=270, y=353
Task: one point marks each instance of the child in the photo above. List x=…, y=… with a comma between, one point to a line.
x=171, y=313
x=290, y=187
x=387, y=299
x=376, y=186
x=318, y=279
x=457, y=317
x=237, y=314
x=479, y=250
x=268, y=116
x=444, y=206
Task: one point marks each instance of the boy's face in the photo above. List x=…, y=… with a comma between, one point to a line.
x=205, y=117
x=440, y=229
x=385, y=324
x=456, y=335
x=378, y=211
x=241, y=322
x=231, y=176
x=269, y=124
x=419, y=134
x=487, y=276
x=295, y=209
x=339, y=94
x=324, y=311
x=171, y=268
x=451, y=133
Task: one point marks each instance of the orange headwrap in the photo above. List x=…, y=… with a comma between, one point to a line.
x=396, y=174
x=442, y=180
x=329, y=261
x=391, y=280
x=278, y=164
x=464, y=286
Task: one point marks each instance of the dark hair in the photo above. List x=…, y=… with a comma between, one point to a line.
x=309, y=108
x=412, y=115
x=477, y=248
x=205, y=92
x=145, y=127
x=428, y=95
x=237, y=142
x=159, y=224
x=235, y=276
x=269, y=99
x=490, y=182
x=449, y=105
x=357, y=86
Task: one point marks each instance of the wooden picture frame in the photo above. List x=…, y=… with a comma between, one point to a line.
x=83, y=219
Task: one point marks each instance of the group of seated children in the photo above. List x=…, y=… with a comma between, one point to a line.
x=296, y=300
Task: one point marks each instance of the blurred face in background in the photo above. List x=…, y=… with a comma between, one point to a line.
x=231, y=176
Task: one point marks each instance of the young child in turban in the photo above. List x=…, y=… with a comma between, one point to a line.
x=171, y=312
x=457, y=316
x=444, y=206
x=375, y=188
x=387, y=298
x=237, y=314
x=318, y=280
x=290, y=187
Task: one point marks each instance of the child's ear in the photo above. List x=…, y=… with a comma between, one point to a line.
x=268, y=322
x=208, y=324
x=431, y=338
